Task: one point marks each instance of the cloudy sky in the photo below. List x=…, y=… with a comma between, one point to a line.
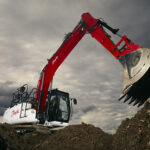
x=32, y=30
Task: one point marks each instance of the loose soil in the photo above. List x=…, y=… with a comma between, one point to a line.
x=132, y=134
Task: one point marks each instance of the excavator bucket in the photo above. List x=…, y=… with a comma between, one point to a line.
x=136, y=84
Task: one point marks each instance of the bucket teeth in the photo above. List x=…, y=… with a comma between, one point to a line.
x=136, y=102
x=141, y=103
x=121, y=97
x=132, y=100
x=127, y=98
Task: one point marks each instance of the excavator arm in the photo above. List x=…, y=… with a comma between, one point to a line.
x=54, y=62
x=90, y=25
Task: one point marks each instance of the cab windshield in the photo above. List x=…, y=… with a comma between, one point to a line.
x=59, y=106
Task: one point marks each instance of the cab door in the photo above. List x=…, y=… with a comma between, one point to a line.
x=63, y=112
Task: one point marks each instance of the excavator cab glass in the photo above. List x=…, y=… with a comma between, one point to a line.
x=58, y=106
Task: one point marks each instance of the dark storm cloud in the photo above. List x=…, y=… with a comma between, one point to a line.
x=133, y=19
x=6, y=90
x=32, y=30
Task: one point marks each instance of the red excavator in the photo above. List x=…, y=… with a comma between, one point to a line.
x=52, y=107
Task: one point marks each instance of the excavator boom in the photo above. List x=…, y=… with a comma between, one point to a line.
x=95, y=27
x=53, y=63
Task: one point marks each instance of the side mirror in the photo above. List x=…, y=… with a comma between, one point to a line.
x=74, y=101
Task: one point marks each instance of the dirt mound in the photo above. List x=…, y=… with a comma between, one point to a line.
x=132, y=134
x=8, y=138
x=75, y=137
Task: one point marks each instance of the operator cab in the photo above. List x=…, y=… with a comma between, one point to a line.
x=58, y=106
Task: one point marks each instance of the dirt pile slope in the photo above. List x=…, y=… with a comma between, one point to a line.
x=132, y=134
x=76, y=137
x=8, y=138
